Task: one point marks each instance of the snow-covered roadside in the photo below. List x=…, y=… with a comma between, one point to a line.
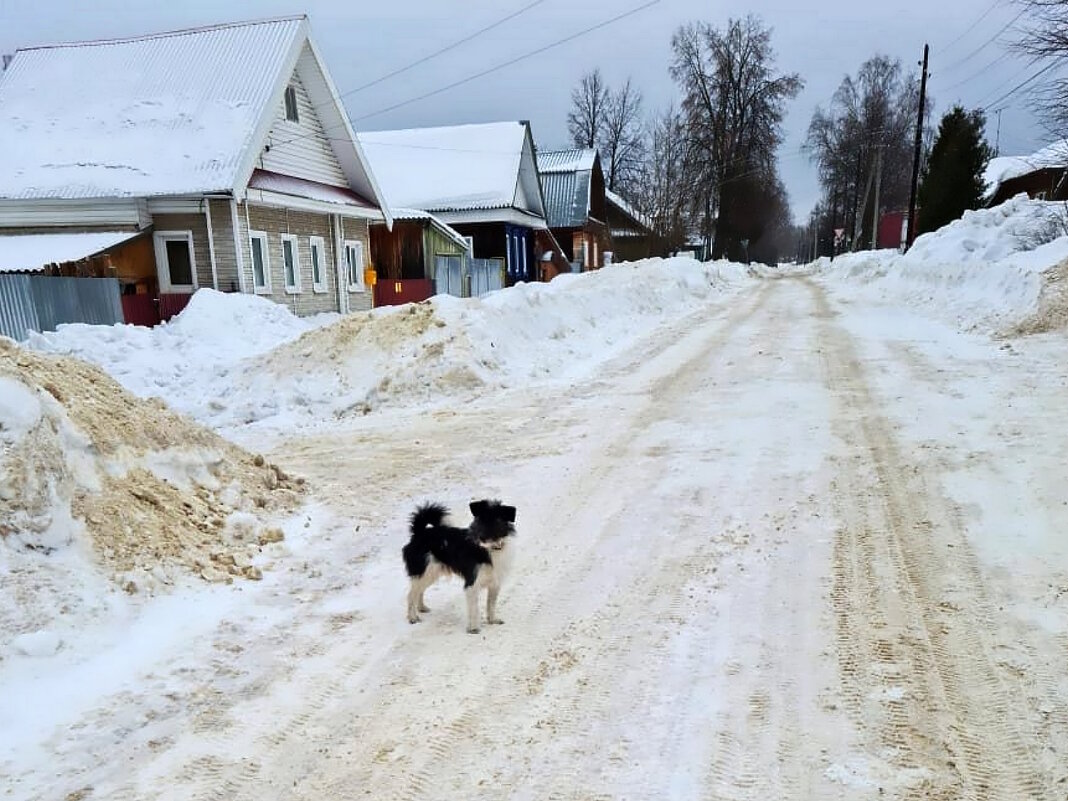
x=982, y=272
x=232, y=361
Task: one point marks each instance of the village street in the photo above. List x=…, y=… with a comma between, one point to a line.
x=796, y=546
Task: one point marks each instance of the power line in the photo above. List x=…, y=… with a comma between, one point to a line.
x=1020, y=86
x=483, y=73
x=985, y=69
x=443, y=50
x=971, y=27
x=981, y=47
x=503, y=65
x=1010, y=79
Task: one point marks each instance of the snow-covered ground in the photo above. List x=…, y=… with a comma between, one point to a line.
x=785, y=537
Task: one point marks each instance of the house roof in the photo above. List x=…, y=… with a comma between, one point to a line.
x=565, y=179
x=554, y=161
x=1004, y=168
x=621, y=204
x=456, y=168
x=298, y=187
x=32, y=252
x=177, y=113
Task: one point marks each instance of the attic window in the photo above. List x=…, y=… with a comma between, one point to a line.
x=291, y=104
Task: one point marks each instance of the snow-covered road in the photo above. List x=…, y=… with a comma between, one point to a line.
x=798, y=546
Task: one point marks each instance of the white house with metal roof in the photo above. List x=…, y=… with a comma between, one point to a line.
x=215, y=157
x=481, y=180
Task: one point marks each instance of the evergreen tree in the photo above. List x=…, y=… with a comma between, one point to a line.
x=953, y=179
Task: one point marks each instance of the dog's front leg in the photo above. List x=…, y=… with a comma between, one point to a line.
x=491, y=603
x=472, y=609
x=415, y=595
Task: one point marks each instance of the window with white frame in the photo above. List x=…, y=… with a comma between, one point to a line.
x=290, y=263
x=354, y=264
x=292, y=112
x=261, y=262
x=175, y=261
x=318, y=263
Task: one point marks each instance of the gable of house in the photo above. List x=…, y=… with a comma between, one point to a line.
x=174, y=114
x=573, y=186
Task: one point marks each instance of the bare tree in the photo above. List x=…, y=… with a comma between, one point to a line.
x=589, y=106
x=1046, y=39
x=662, y=192
x=733, y=102
x=870, y=116
x=622, y=143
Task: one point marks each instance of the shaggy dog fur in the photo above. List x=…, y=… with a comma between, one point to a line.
x=478, y=554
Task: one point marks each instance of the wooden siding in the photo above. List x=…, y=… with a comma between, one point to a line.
x=225, y=254
x=198, y=225
x=302, y=149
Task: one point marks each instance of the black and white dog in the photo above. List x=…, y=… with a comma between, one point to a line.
x=479, y=554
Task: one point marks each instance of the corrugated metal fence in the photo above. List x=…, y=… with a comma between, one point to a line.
x=465, y=277
x=41, y=303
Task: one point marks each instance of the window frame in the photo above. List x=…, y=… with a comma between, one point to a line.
x=163, y=269
x=358, y=245
x=294, y=288
x=266, y=252
x=294, y=106
x=320, y=243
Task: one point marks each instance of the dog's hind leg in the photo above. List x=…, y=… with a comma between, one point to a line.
x=415, y=598
x=422, y=607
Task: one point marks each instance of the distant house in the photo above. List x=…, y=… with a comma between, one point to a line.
x=480, y=180
x=215, y=157
x=573, y=185
x=404, y=256
x=632, y=234
x=1042, y=175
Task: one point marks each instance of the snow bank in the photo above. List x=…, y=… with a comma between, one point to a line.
x=102, y=492
x=420, y=354
x=982, y=271
x=189, y=357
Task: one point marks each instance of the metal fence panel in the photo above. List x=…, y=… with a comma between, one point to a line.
x=61, y=299
x=448, y=275
x=41, y=303
x=17, y=311
x=487, y=275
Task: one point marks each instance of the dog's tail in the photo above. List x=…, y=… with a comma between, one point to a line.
x=427, y=516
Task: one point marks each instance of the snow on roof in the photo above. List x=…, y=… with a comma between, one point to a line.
x=164, y=114
x=454, y=168
x=622, y=204
x=1004, y=168
x=574, y=160
x=32, y=252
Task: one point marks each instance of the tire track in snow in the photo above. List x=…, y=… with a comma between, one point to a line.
x=912, y=616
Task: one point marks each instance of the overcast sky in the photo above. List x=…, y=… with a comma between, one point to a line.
x=364, y=39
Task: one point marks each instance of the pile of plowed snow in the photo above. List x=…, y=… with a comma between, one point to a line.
x=189, y=358
x=987, y=270
x=100, y=487
x=235, y=360
x=449, y=347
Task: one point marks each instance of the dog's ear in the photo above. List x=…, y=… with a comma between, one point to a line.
x=479, y=508
x=508, y=513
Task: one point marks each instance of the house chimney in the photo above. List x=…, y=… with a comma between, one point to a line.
x=6, y=59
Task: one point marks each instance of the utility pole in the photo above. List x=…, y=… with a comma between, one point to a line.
x=997, y=140
x=878, y=185
x=916, y=156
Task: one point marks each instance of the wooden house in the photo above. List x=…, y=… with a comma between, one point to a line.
x=214, y=157
x=480, y=180
x=573, y=185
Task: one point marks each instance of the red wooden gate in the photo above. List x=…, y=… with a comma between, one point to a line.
x=140, y=310
x=389, y=292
